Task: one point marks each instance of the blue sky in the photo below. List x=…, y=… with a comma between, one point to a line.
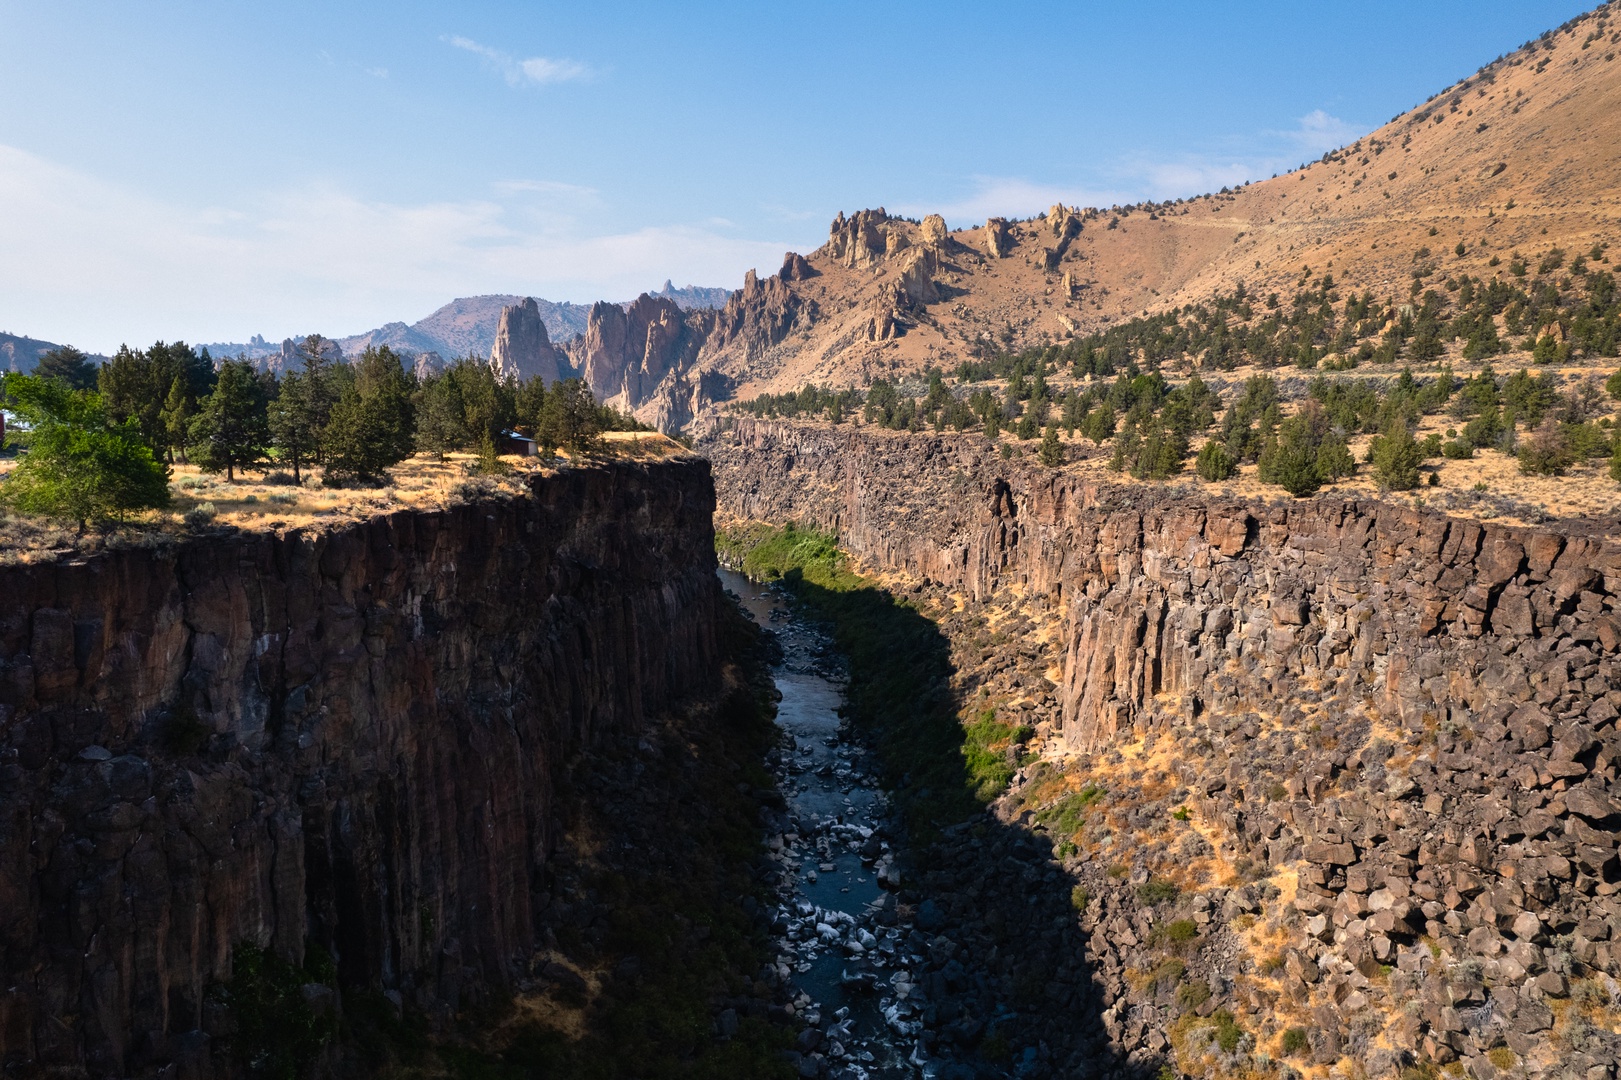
x=211, y=170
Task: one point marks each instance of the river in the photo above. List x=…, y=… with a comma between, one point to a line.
x=839, y=939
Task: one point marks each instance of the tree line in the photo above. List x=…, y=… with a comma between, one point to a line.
x=1150, y=424
x=100, y=439
x=1554, y=309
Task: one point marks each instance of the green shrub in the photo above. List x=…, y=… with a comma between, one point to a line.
x=1457, y=451
x=278, y=1034
x=1181, y=931
x=1156, y=891
x=1228, y=1033
x=1192, y=995
x=1079, y=898
x=1295, y=1040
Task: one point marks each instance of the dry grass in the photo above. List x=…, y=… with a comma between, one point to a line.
x=252, y=502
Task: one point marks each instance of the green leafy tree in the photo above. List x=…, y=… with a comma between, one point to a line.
x=80, y=465
x=231, y=430
x=68, y=365
x=1396, y=457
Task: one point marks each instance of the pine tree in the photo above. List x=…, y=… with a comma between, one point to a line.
x=372, y=426
x=294, y=429
x=571, y=418
x=1334, y=460
x=440, y=417
x=178, y=411
x=231, y=429
x=1052, y=451
x=1396, y=457
x=1214, y=462
x=69, y=365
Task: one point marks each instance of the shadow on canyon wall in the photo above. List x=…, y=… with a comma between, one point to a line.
x=1008, y=988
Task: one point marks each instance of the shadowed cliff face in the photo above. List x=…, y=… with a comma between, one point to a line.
x=1178, y=603
x=350, y=740
x=1372, y=749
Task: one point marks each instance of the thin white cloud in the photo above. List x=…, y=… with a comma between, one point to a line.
x=1004, y=196
x=544, y=187
x=541, y=69
x=536, y=70
x=377, y=72
x=95, y=264
x=1318, y=132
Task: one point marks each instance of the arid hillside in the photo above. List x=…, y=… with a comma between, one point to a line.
x=1522, y=155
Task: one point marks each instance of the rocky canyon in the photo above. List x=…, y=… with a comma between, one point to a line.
x=1334, y=782
x=357, y=751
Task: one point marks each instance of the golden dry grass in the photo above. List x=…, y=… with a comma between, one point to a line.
x=251, y=502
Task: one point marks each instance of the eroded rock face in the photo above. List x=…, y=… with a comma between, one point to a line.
x=1409, y=720
x=862, y=239
x=998, y=237
x=627, y=352
x=353, y=739
x=522, y=349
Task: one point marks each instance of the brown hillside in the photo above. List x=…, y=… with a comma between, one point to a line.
x=1523, y=155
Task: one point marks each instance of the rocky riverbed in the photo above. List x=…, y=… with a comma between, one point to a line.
x=843, y=952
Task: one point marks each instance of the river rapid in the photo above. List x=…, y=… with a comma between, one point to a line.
x=841, y=941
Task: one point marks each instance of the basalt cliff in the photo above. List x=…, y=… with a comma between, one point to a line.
x=365, y=742
x=1368, y=751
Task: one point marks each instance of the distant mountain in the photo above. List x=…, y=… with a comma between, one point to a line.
x=692, y=297
x=467, y=325
x=19, y=353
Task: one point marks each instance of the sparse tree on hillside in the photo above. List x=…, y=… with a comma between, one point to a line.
x=1052, y=450
x=1214, y=462
x=1396, y=457
x=1546, y=452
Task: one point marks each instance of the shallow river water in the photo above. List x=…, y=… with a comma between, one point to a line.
x=839, y=941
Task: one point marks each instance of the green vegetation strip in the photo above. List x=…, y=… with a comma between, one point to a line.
x=940, y=770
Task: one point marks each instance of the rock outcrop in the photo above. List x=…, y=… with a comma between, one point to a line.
x=522, y=349
x=1401, y=726
x=628, y=351
x=998, y=235
x=360, y=740
x=860, y=240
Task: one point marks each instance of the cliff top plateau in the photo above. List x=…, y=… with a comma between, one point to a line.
x=270, y=502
